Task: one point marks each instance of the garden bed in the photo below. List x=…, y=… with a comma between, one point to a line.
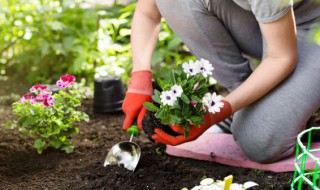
x=22, y=168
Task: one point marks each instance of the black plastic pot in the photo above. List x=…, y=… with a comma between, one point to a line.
x=108, y=94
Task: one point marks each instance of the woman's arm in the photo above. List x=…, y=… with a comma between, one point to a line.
x=279, y=62
x=144, y=34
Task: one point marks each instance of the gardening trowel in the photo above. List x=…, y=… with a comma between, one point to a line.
x=126, y=153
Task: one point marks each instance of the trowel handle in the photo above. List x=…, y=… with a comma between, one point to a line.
x=134, y=129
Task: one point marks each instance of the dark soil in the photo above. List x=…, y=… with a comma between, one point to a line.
x=22, y=168
x=150, y=123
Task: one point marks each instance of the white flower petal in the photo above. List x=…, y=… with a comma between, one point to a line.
x=185, y=67
x=206, y=100
x=176, y=90
x=197, y=188
x=168, y=98
x=206, y=181
x=191, y=68
x=205, y=67
x=212, y=81
x=249, y=184
x=236, y=186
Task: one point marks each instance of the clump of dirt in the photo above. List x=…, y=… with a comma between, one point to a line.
x=150, y=123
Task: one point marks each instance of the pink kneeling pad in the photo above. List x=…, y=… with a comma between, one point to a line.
x=221, y=148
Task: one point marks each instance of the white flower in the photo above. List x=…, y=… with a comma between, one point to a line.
x=212, y=81
x=236, y=186
x=176, y=90
x=210, y=184
x=168, y=98
x=249, y=184
x=206, y=181
x=212, y=102
x=205, y=67
x=191, y=68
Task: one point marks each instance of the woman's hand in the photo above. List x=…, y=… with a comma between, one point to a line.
x=194, y=131
x=144, y=35
x=139, y=91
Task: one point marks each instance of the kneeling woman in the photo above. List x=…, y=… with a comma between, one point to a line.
x=271, y=104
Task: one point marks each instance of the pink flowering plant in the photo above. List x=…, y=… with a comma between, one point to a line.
x=48, y=116
x=184, y=99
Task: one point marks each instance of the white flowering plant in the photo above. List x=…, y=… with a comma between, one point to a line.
x=210, y=184
x=49, y=117
x=184, y=99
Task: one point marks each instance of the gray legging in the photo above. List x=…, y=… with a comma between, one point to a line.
x=221, y=32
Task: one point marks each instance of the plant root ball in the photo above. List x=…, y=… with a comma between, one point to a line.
x=150, y=123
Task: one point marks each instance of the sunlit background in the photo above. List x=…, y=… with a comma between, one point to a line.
x=42, y=39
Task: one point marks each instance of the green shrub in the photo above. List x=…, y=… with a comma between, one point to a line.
x=42, y=39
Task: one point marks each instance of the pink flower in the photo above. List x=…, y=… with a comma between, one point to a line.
x=41, y=97
x=49, y=101
x=37, y=88
x=45, y=98
x=65, y=81
x=194, y=103
x=26, y=97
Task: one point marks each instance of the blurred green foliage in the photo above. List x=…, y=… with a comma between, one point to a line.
x=42, y=39
x=316, y=34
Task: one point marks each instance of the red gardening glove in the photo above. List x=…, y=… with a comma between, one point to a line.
x=139, y=91
x=194, y=132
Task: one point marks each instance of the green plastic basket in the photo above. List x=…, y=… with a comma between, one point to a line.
x=303, y=177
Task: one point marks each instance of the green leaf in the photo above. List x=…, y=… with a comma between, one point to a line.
x=68, y=43
x=165, y=121
x=58, y=48
x=195, y=119
x=78, y=64
x=177, y=105
x=85, y=117
x=56, y=25
x=174, y=119
x=10, y=125
x=173, y=77
x=63, y=138
x=55, y=143
x=186, y=131
x=151, y=107
x=185, y=108
x=156, y=98
x=39, y=145
x=68, y=148
x=77, y=130
x=28, y=122
x=178, y=113
x=157, y=57
x=174, y=43
x=161, y=83
x=33, y=111
x=160, y=114
x=195, y=98
x=58, y=122
x=185, y=98
x=44, y=48
x=157, y=93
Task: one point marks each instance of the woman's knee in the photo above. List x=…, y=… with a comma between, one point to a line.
x=264, y=154
x=263, y=139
